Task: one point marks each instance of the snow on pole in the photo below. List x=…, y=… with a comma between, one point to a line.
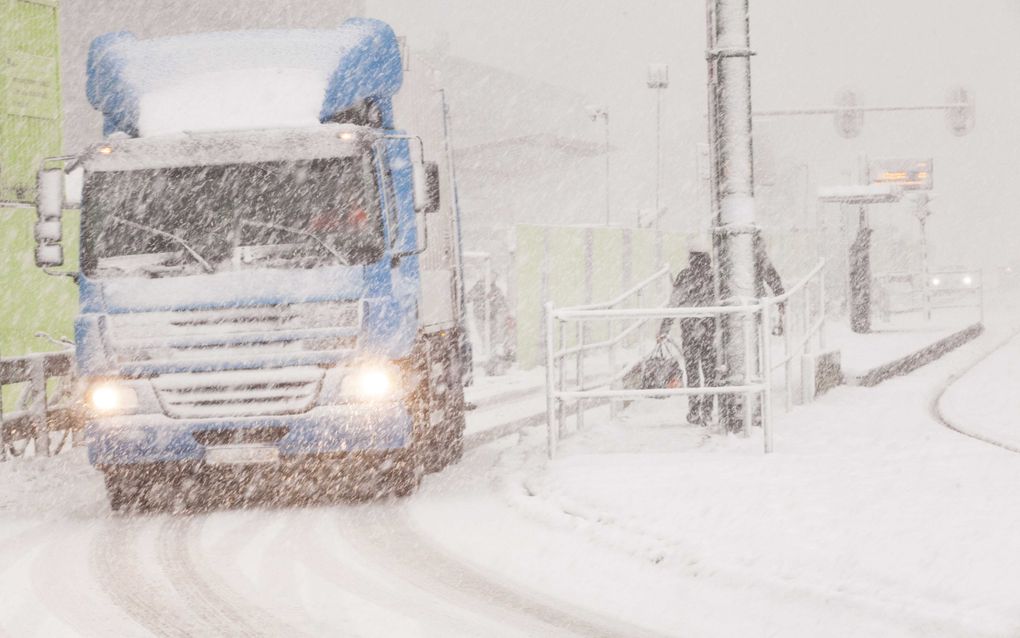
x=734, y=230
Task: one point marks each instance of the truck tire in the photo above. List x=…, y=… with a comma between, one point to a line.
x=405, y=476
x=123, y=489
x=446, y=394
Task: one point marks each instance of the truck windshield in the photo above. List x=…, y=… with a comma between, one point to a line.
x=185, y=220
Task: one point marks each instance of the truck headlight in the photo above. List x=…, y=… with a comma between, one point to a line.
x=108, y=397
x=372, y=382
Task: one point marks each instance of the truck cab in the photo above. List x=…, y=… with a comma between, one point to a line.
x=268, y=298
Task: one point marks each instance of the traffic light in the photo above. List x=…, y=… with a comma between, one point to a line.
x=849, y=118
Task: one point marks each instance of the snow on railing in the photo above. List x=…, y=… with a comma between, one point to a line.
x=805, y=314
x=802, y=316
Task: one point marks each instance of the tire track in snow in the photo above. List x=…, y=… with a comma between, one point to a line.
x=115, y=561
x=339, y=563
x=393, y=543
x=59, y=577
x=218, y=604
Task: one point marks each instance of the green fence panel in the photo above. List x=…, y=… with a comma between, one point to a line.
x=30, y=300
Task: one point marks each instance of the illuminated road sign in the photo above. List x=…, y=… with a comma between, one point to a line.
x=908, y=174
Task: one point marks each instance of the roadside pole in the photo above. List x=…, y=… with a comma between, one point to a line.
x=734, y=231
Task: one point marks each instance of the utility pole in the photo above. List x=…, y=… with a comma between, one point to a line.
x=596, y=113
x=922, y=212
x=735, y=230
x=658, y=79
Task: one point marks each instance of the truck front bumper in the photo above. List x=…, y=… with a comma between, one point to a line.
x=156, y=438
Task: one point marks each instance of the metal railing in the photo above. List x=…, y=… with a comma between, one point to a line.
x=801, y=309
x=804, y=327
x=46, y=404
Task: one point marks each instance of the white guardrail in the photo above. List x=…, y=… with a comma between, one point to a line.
x=801, y=311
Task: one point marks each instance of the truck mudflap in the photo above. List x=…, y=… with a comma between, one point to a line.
x=136, y=439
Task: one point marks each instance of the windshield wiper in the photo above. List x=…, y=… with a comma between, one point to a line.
x=162, y=233
x=339, y=258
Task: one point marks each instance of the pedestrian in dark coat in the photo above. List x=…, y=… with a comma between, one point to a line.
x=693, y=287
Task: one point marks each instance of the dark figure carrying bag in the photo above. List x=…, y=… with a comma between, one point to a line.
x=663, y=368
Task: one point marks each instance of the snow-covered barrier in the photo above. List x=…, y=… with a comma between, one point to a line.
x=248, y=79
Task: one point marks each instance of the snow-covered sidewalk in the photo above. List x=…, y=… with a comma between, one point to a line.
x=870, y=519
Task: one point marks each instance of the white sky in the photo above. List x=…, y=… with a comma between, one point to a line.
x=892, y=52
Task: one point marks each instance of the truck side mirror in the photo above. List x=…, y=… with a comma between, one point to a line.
x=48, y=232
x=49, y=255
x=49, y=205
x=432, y=187
x=49, y=199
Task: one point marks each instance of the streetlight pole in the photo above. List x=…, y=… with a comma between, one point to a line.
x=735, y=229
x=658, y=79
x=596, y=113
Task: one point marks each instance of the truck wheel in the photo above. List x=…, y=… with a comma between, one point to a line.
x=123, y=489
x=446, y=441
x=405, y=476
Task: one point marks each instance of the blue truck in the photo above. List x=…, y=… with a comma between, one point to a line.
x=270, y=270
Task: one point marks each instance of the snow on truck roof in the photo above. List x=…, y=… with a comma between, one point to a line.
x=321, y=141
x=242, y=80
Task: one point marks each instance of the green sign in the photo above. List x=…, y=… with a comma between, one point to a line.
x=31, y=89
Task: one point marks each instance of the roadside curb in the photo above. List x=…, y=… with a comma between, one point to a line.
x=913, y=361
x=936, y=403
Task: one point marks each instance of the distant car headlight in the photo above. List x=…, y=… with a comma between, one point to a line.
x=967, y=280
x=935, y=281
x=109, y=397
x=372, y=383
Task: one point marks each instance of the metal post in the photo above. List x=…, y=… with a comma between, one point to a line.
x=980, y=285
x=561, y=365
x=613, y=405
x=580, y=374
x=550, y=347
x=3, y=428
x=487, y=305
x=788, y=356
x=605, y=116
x=822, y=310
x=766, y=366
x=729, y=73
x=748, y=372
x=37, y=407
x=924, y=267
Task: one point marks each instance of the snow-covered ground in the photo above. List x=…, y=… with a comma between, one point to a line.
x=871, y=519
x=889, y=341
x=985, y=401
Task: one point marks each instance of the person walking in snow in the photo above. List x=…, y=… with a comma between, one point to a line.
x=694, y=286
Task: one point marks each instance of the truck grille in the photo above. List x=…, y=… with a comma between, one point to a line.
x=233, y=332
x=239, y=393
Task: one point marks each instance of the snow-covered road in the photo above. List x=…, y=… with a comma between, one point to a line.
x=871, y=519
x=359, y=569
